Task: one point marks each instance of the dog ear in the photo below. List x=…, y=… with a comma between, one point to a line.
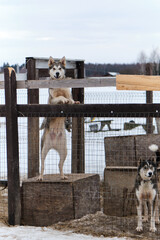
x=50, y=62
x=63, y=61
x=140, y=160
x=154, y=159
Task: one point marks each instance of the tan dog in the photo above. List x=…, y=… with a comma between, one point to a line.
x=54, y=135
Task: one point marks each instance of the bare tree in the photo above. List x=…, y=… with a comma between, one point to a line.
x=142, y=60
x=154, y=60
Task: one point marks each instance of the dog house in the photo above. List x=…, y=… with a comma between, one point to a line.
x=122, y=155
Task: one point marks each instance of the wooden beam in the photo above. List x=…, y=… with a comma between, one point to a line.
x=149, y=99
x=78, y=148
x=89, y=110
x=14, y=202
x=86, y=110
x=2, y=110
x=138, y=82
x=69, y=83
x=33, y=124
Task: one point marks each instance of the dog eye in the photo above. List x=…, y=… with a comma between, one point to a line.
x=54, y=68
x=145, y=167
x=60, y=68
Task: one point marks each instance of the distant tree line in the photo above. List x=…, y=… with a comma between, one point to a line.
x=145, y=65
x=13, y=66
x=102, y=69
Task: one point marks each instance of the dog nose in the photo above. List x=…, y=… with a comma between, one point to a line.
x=150, y=174
x=57, y=74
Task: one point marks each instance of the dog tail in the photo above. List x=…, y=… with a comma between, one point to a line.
x=155, y=148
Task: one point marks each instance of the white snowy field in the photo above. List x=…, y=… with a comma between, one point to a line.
x=45, y=233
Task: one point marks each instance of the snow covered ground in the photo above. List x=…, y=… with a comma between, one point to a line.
x=38, y=233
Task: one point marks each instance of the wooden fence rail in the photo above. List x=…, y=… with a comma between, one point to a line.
x=86, y=110
x=67, y=83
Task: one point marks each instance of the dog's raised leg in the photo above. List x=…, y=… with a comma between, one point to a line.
x=139, y=213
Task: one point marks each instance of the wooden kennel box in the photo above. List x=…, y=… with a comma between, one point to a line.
x=52, y=200
x=122, y=155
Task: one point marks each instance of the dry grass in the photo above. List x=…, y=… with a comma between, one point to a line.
x=107, y=226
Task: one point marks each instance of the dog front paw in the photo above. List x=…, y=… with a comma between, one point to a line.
x=39, y=178
x=63, y=177
x=63, y=101
x=76, y=102
x=153, y=229
x=139, y=229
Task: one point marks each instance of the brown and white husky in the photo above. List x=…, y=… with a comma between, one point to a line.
x=54, y=135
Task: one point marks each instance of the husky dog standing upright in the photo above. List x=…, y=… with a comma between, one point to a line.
x=147, y=190
x=54, y=135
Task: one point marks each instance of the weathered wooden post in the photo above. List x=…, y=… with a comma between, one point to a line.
x=14, y=203
x=33, y=123
x=149, y=99
x=78, y=150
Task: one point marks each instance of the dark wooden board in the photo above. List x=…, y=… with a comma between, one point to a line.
x=33, y=123
x=119, y=194
x=120, y=151
x=14, y=204
x=53, y=199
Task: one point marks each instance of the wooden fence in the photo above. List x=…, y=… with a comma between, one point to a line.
x=37, y=69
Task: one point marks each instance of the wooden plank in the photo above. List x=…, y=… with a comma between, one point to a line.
x=33, y=124
x=149, y=99
x=43, y=63
x=69, y=83
x=121, y=168
x=86, y=195
x=119, y=193
x=52, y=200
x=78, y=146
x=120, y=151
x=89, y=110
x=2, y=110
x=14, y=203
x=138, y=82
x=86, y=110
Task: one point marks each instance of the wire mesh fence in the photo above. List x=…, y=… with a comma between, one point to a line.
x=110, y=152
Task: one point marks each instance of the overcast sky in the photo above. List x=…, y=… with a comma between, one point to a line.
x=105, y=31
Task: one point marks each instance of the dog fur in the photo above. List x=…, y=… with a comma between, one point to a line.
x=54, y=135
x=147, y=190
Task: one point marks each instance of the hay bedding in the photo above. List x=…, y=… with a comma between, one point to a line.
x=100, y=224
